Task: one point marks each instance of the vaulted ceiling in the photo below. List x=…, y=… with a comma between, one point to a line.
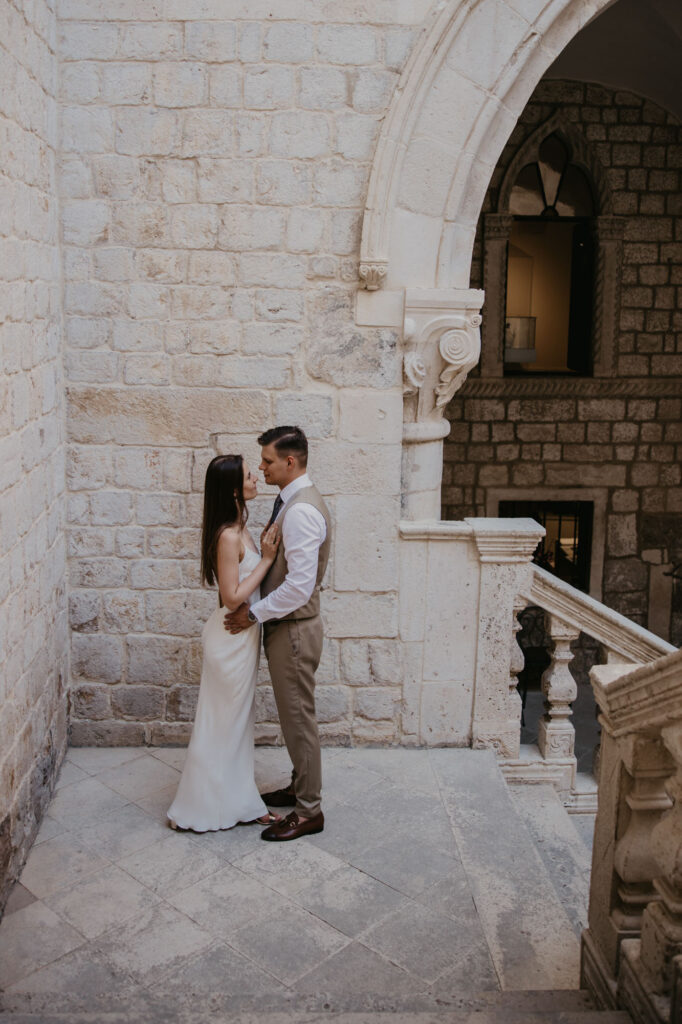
x=634, y=45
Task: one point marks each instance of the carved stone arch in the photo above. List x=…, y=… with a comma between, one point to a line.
x=582, y=154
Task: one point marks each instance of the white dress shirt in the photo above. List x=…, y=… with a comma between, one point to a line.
x=303, y=531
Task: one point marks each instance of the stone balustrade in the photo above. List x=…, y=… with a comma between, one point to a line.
x=568, y=613
x=632, y=949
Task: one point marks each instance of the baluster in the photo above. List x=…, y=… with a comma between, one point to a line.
x=556, y=734
x=649, y=766
x=517, y=662
x=662, y=920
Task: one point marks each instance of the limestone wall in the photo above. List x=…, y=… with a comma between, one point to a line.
x=214, y=175
x=614, y=440
x=33, y=617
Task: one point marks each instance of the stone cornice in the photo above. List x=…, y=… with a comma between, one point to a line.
x=571, y=387
x=647, y=698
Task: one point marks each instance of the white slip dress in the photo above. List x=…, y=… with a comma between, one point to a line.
x=217, y=787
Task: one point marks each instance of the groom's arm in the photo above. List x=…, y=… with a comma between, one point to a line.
x=303, y=531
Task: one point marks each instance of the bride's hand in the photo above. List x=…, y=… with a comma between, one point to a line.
x=270, y=541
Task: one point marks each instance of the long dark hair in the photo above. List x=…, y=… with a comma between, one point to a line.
x=224, y=505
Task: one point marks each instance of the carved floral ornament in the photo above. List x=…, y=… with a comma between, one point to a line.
x=442, y=344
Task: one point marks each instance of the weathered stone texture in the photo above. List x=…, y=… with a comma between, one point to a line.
x=214, y=173
x=33, y=611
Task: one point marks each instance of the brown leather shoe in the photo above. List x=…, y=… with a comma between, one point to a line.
x=279, y=797
x=293, y=827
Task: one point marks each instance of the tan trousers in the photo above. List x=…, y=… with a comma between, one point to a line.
x=293, y=648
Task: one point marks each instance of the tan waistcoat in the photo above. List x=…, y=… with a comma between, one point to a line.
x=279, y=568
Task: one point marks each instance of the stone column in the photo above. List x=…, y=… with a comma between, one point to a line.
x=606, y=304
x=442, y=343
x=496, y=228
x=556, y=733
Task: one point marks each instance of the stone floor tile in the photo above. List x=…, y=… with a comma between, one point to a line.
x=216, y=969
x=30, y=938
x=152, y=944
x=348, y=782
x=288, y=945
x=473, y=973
x=171, y=864
x=157, y=803
x=347, y=831
x=82, y=802
x=102, y=900
x=58, y=863
x=406, y=863
x=224, y=902
x=350, y=900
x=19, y=897
x=357, y=970
x=424, y=942
x=229, y=843
x=403, y=812
x=68, y=773
x=83, y=975
x=288, y=867
x=410, y=768
x=97, y=759
x=124, y=832
x=139, y=778
x=48, y=829
x=450, y=895
x=173, y=756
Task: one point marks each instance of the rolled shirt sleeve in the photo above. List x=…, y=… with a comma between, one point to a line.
x=303, y=531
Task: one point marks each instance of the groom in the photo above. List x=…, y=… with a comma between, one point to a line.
x=292, y=629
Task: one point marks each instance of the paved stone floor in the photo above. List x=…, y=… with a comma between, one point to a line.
x=382, y=906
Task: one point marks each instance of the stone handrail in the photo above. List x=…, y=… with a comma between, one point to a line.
x=632, y=949
x=570, y=612
x=620, y=636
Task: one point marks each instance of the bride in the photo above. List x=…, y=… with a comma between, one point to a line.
x=217, y=788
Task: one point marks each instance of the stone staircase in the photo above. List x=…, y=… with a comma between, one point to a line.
x=521, y=858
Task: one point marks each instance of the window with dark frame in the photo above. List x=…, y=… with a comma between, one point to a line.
x=550, y=266
x=566, y=548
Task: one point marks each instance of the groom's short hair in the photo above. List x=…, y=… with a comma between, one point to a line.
x=287, y=441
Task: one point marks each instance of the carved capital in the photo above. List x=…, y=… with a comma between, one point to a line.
x=442, y=344
x=373, y=274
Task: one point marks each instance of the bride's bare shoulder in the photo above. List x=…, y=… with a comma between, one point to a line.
x=230, y=539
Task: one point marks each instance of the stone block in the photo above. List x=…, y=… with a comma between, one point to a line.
x=288, y=43
x=178, y=614
x=313, y=413
x=206, y=133
x=218, y=338
x=156, y=660
x=340, y=354
x=368, y=417
x=273, y=270
x=155, y=574
x=194, y=226
x=150, y=41
x=113, y=264
x=622, y=535
x=268, y=88
x=366, y=543
x=360, y=615
x=130, y=541
x=211, y=268
x=305, y=230
x=87, y=41
x=110, y=508
x=129, y=336
x=299, y=135
x=84, y=733
x=127, y=82
x=90, y=701
x=80, y=83
x=141, y=703
x=180, y=84
x=372, y=90
x=343, y=468
x=271, y=339
x=181, y=703
x=150, y=416
x=397, y=45
x=283, y=183
x=87, y=130
x=322, y=88
x=376, y=703
x=86, y=469
x=338, y=183
x=96, y=657
x=224, y=181
x=169, y=734
x=123, y=612
x=213, y=41
x=84, y=611
x=347, y=44
x=97, y=572
x=332, y=703
x=151, y=132
x=140, y=224
x=146, y=369
x=279, y=304
x=625, y=574
x=225, y=85
x=356, y=136
x=245, y=228
x=346, y=226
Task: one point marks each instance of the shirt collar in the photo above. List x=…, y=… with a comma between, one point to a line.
x=294, y=487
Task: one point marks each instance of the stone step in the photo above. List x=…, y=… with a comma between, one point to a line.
x=532, y=940
x=561, y=847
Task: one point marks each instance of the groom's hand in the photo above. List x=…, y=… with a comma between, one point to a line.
x=238, y=620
